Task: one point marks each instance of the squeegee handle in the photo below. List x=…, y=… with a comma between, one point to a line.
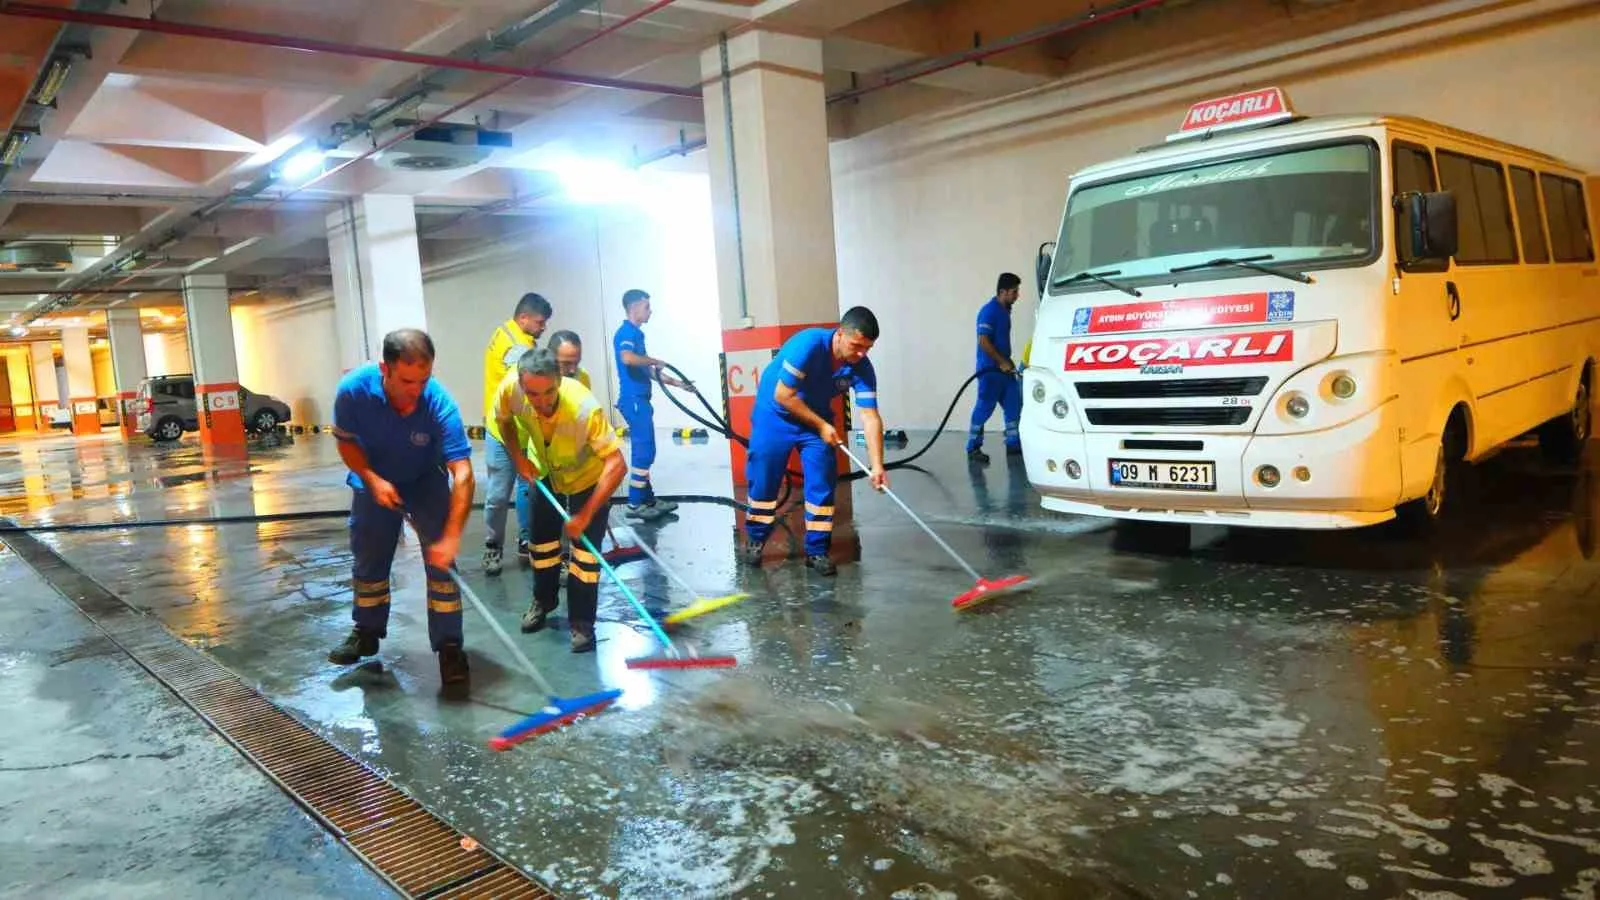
x=621, y=585
x=639, y=542
x=917, y=519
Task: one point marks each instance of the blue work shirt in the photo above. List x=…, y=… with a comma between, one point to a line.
x=805, y=363
x=401, y=449
x=994, y=322
x=632, y=381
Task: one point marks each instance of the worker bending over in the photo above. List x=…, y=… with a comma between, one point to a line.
x=635, y=368
x=401, y=436
x=574, y=449
x=514, y=337
x=792, y=411
x=997, y=378
x=568, y=350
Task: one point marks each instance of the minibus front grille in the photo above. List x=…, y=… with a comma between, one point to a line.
x=1170, y=416
x=1171, y=387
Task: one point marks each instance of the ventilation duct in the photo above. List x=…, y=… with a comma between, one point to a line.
x=35, y=258
x=443, y=146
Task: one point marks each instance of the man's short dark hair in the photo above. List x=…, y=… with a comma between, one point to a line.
x=538, y=362
x=860, y=320
x=1007, y=282
x=632, y=296
x=533, y=305
x=409, y=345
x=563, y=337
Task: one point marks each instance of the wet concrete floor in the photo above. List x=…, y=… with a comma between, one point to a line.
x=1259, y=714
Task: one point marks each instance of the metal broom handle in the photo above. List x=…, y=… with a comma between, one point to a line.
x=915, y=518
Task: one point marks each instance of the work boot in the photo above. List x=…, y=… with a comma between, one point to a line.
x=358, y=644
x=662, y=507
x=535, y=619
x=491, y=559
x=646, y=513
x=976, y=455
x=822, y=564
x=750, y=553
x=452, y=664
x=582, y=638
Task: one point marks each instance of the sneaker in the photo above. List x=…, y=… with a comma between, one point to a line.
x=582, y=639
x=644, y=513
x=535, y=619
x=491, y=559
x=976, y=455
x=822, y=564
x=750, y=553
x=358, y=644
x=662, y=507
x=452, y=664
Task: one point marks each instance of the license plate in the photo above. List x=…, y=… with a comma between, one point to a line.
x=1163, y=475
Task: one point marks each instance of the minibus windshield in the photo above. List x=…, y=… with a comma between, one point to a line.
x=1301, y=208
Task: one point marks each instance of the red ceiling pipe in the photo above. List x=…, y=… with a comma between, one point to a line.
x=923, y=68
x=312, y=45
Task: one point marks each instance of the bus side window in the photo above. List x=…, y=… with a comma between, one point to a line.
x=1483, y=209
x=1570, y=240
x=1524, y=191
x=1413, y=173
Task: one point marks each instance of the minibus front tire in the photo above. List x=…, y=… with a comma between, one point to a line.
x=1427, y=513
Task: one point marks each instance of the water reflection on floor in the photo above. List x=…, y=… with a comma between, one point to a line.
x=1263, y=714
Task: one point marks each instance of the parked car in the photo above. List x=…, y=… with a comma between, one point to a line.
x=167, y=408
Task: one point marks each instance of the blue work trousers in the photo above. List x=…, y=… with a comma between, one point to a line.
x=1004, y=389
x=641, y=419
x=771, y=442
x=374, y=534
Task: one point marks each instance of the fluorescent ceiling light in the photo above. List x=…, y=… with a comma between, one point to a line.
x=595, y=181
x=302, y=164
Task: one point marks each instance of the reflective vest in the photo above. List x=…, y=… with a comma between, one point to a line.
x=506, y=347
x=570, y=447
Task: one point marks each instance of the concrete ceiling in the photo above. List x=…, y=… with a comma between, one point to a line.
x=150, y=129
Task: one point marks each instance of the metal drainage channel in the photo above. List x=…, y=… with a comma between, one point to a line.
x=408, y=846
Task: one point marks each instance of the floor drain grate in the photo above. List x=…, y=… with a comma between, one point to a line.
x=418, y=853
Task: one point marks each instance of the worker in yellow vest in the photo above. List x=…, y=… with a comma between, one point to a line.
x=574, y=449
x=568, y=350
x=514, y=337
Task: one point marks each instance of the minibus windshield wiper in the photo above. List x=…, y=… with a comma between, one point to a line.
x=1246, y=262
x=1102, y=277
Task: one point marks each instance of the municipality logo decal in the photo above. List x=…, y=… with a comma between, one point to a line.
x=1080, y=320
x=420, y=438
x=1280, y=306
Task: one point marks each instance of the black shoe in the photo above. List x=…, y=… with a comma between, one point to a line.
x=822, y=564
x=582, y=639
x=1014, y=451
x=358, y=644
x=452, y=664
x=535, y=619
x=750, y=553
x=976, y=455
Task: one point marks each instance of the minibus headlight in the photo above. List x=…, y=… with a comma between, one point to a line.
x=1342, y=386
x=1059, y=408
x=1297, y=406
x=1038, y=392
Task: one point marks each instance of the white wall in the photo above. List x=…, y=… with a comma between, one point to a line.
x=660, y=242
x=166, y=354
x=930, y=210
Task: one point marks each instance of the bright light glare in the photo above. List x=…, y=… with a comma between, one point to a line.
x=302, y=165
x=597, y=181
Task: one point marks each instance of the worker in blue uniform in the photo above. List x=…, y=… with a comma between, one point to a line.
x=793, y=410
x=400, y=434
x=635, y=369
x=997, y=374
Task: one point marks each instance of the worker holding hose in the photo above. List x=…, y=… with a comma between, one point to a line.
x=635, y=369
x=997, y=375
x=510, y=340
x=793, y=406
x=573, y=448
x=401, y=436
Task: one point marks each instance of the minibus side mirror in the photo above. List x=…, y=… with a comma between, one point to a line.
x=1433, y=225
x=1041, y=267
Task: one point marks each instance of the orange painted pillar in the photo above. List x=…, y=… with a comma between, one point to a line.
x=216, y=369
x=772, y=222
x=81, y=397
x=127, y=365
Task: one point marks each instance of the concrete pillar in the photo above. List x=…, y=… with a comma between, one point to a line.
x=45, y=394
x=127, y=362
x=772, y=217
x=377, y=274
x=81, y=397
x=216, y=369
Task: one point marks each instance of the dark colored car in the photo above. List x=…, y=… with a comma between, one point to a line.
x=167, y=408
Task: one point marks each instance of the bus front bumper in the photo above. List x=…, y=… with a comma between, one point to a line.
x=1351, y=475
